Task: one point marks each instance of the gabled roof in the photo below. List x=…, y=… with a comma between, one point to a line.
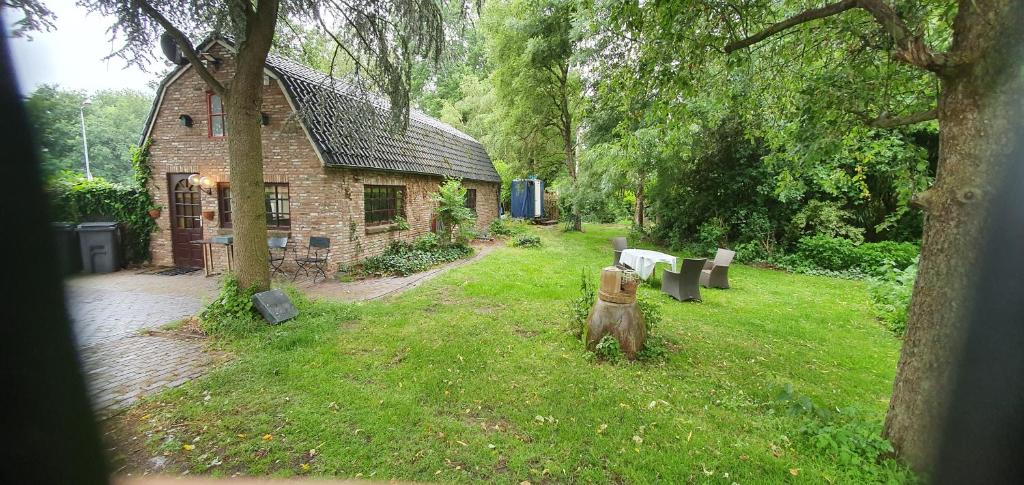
x=348, y=128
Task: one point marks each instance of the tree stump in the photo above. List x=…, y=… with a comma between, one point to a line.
x=616, y=313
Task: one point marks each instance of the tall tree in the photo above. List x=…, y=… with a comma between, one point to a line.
x=380, y=37
x=533, y=45
x=113, y=121
x=980, y=81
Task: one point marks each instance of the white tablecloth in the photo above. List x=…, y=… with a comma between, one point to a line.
x=643, y=260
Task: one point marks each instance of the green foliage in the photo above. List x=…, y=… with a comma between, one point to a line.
x=399, y=224
x=890, y=293
x=839, y=254
x=819, y=218
x=427, y=242
x=526, y=240
x=452, y=213
x=651, y=312
x=75, y=199
x=402, y=258
x=844, y=435
x=711, y=235
x=506, y=227
x=608, y=350
x=579, y=307
x=142, y=171
x=656, y=349
x=113, y=121
x=231, y=312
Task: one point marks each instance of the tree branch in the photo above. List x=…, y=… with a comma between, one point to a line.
x=186, y=46
x=910, y=48
x=801, y=18
x=885, y=121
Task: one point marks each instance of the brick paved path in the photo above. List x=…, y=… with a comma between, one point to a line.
x=121, y=364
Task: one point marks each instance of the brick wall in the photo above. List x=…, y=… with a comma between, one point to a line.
x=323, y=201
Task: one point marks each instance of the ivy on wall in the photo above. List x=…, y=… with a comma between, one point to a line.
x=75, y=199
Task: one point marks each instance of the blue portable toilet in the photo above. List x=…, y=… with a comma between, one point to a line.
x=527, y=198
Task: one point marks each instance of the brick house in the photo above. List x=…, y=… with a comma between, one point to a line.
x=331, y=167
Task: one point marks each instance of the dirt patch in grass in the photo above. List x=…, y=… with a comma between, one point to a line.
x=127, y=448
x=525, y=333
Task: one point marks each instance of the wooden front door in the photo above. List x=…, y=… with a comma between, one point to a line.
x=186, y=221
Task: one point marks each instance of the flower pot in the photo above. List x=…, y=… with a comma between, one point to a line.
x=208, y=215
x=154, y=213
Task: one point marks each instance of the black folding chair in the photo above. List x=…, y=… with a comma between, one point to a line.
x=278, y=247
x=316, y=258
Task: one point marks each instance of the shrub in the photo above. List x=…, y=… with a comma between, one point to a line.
x=526, y=241
x=427, y=242
x=711, y=235
x=608, y=349
x=838, y=254
x=402, y=258
x=651, y=312
x=500, y=227
x=579, y=307
x=824, y=218
x=452, y=212
x=230, y=310
x=75, y=199
x=890, y=294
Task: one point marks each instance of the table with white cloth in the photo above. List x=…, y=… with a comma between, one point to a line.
x=643, y=260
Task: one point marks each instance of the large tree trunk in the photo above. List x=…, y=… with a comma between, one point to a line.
x=245, y=152
x=568, y=143
x=638, y=211
x=975, y=119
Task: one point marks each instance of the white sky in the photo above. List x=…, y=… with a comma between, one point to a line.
x=72, y=55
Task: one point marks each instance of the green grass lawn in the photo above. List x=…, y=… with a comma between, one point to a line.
x=474, y=376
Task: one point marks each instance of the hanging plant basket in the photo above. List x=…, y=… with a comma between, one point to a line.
x=155, y=213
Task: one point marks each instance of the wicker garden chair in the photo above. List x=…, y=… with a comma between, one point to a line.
x=618, y=245
x=684, y=285
x=316, y=258
x=716, y=273
x=278, y=247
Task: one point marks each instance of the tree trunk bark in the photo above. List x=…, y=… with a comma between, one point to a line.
x=975, y=119
x=245, y=152
x=638, y=214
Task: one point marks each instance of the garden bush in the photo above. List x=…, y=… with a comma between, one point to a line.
x=231, y=311
x=506, y=227
x=452, y=213
x=839, y=254
x=402, y=258
x=890, y=293
x=75, y=199
x=526, y=241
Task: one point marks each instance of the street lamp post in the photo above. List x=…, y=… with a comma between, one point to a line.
x=85, y=143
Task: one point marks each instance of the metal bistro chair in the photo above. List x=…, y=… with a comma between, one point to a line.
x=684, y=285
x=618, y=245
x=316, y=258
x=716, y=273
x=278, y=246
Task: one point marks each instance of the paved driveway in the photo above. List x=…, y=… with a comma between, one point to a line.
x=110, y=313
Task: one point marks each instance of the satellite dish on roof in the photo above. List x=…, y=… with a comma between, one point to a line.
x=171, y=49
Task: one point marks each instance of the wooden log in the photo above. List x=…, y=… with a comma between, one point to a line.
x=620, y=320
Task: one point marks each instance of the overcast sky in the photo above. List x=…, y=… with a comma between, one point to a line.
x=72, y=55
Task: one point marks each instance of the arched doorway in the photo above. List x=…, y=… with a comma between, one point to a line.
x=186, y=221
